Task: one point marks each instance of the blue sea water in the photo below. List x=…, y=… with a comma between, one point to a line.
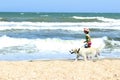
x=28, y=36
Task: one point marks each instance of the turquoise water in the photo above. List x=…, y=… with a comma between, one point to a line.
x=56, y=17
x=26, y=36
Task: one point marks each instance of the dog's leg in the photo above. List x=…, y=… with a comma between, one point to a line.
x=97, y=57
x=85, y=58
x=77, y=57
x=97, y=54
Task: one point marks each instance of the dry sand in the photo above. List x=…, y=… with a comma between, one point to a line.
x=105, y=69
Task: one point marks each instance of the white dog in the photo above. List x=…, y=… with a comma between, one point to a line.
x=85, y=53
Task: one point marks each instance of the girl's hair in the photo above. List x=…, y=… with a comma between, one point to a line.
x=86, y=30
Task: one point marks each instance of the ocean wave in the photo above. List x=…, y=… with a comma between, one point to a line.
x=112, y=45
x=57, y=25
x=59, y=17
x=3, y=19
x=51, y=48
x=52, y=45
x=102, y=19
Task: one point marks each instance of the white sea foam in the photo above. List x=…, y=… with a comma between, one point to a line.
x=78, y=17
x=6, y=41
x=59, y=25
x=36, y=48
x=98, y=18
x=51, y=45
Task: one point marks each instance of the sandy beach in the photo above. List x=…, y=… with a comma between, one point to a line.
x=105, y=69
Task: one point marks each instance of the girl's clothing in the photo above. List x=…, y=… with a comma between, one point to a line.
x=88, y=41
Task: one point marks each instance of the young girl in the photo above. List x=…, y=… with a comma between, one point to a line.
x=88, y=38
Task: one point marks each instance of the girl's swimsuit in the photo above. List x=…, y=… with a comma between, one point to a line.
x=88, y=40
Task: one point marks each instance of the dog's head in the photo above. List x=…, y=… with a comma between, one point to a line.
x=74, y=51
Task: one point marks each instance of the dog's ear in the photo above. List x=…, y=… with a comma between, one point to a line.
x=71, y=52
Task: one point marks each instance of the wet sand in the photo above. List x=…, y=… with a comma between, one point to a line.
x=105, y=69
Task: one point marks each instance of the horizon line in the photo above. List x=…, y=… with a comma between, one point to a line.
x=51, y=12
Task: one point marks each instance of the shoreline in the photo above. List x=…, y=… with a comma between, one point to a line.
x=71, y=60
x=103, y=69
